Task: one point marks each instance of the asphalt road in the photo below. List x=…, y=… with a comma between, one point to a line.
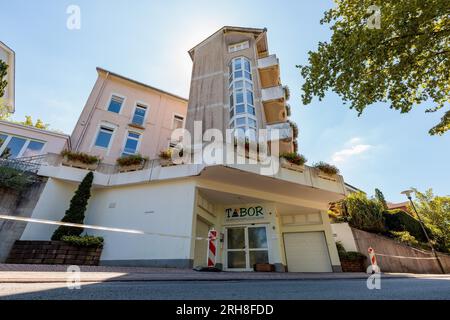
x=253, y=290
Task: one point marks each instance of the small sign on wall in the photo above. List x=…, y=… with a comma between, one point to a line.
x=245, y=213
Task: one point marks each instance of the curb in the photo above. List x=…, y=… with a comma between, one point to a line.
x=181, y=279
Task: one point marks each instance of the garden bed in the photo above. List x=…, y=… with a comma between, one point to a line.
x=53, y=252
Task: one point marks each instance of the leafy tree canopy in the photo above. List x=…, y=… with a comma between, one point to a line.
x=39, y=123
x=3, y=73
x=435, y=212
x=380, y=198
x=405, y=62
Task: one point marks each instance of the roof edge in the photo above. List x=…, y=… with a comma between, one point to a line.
x=225, y=29
x=102, y=70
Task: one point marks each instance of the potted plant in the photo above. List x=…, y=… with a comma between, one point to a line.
x=263, y=267
x=79, y=160
x=294, y=129
x=131, y=162
x=293, y=161
x=326, y=171
x=165, y=158
x=351, y=261
x=256, y=148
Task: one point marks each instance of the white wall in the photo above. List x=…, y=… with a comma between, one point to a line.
x=343, y=233
x=158, y=207
x=162, y=207
x=52, y=204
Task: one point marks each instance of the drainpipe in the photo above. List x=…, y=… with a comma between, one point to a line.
x=91, y=113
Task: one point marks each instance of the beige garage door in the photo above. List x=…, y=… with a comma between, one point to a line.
x=307, y=252
x=201, y=246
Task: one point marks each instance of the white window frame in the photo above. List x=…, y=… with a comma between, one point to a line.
x=24, y=147
x=140, y=104
x=174, y=115
x=138, y=146
x=118, y=96
x=246, y=249
x=238, y=46
x=232, y=92
x=111, y=126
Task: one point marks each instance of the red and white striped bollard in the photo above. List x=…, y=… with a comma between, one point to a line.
x=212, y=248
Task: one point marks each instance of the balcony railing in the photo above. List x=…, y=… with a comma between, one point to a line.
x=272, y=94
x=25, y=164
x=269, y=71
x=268, y=62
x=284, y=131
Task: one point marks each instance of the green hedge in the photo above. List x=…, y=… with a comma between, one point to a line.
x=14, y=179
x=84, y=241
x=399, y=220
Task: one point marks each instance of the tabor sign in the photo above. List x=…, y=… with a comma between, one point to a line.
x=253, y=212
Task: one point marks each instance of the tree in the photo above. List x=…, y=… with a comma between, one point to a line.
x=3, y=73
x=75, y=213
x=435, y=212
x=39, y=123
x=404, y=62
x=380, y=198
x=4, y=110
x=363, y=213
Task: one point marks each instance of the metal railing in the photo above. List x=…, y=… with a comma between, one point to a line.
x=25, y=164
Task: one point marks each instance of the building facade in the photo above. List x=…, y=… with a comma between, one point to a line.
x=125, y=117
x=236, y=85
x=21, y=141
x=161, y=215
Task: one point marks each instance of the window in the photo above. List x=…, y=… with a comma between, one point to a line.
x=16, y=147
x=13, y=148
x=115, y=104
x=238, y=46
x=178, y=122
x=242, y=105
x=104, y=137
x=139, y=115
x=2, y=139
x=131, y=145
x=33, y=149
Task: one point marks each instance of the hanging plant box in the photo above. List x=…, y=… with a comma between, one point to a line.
x=132, y=167
x=78, y=164
x=291, y=166
x=166, y=162
x=330, y=177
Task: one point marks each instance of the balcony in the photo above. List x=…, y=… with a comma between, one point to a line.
x=284, y=131
x=273, y=99
x=275, y=112
x=272, y=94
x=269, y=71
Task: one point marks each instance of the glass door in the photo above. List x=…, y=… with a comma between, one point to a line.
x=236, y=248
x=246, y=246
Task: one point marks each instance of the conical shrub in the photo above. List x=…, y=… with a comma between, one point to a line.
x=77, y=208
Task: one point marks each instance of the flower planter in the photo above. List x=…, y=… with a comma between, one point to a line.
x=354, y=265
x=291, y=166
x=264, y=267
x=166, y=162
x=53, y=252
x=79, y=164
x=323, y=175
x=133, y=167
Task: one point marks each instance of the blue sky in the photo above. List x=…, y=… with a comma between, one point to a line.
x=148, y=41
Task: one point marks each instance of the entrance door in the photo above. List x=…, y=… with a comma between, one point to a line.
x=201, y=246
x=246, y=246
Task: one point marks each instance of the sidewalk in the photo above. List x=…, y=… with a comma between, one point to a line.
x=12, y=273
